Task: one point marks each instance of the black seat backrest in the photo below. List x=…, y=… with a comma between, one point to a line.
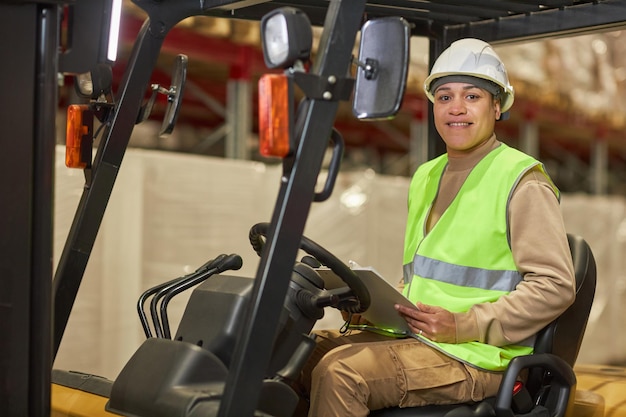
x=564, y=335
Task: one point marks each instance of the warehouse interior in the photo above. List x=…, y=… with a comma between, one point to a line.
x=570, y=103
x=184, y=198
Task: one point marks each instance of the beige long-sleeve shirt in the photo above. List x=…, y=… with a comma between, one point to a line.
x=540, y=251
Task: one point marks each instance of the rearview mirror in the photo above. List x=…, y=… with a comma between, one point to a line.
x=175, y=94
x=174, y=97
x=382, y=68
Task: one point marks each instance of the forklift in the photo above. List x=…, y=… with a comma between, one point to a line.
x=274, y=312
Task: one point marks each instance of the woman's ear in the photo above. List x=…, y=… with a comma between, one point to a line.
x=496, y=104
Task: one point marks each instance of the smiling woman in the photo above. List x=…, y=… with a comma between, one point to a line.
x=475, y=58
x=470, y=89
x=465, y=116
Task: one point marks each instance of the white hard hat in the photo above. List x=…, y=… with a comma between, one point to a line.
x=473, y=58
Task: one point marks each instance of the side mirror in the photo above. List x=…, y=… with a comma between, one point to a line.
x=175, y=94
x=174, y=97
x=382, y=68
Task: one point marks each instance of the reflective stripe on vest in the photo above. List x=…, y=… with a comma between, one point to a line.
x=498, y=280
x=454, y=266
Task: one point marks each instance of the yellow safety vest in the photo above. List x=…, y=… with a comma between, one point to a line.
x=466, y=258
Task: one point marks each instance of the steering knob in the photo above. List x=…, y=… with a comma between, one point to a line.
x=311, y=261
x=306, y=271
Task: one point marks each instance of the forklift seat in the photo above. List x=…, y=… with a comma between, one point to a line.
x=550, y=385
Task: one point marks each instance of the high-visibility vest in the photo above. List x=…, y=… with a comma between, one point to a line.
x=466, y=258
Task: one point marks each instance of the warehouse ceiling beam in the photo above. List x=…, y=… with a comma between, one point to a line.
x=578, y=19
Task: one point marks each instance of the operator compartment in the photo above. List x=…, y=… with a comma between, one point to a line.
x=171, y=376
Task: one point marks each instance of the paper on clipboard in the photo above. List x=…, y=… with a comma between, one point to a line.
x=383, y=297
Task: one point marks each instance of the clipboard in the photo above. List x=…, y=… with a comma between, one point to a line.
x=381, y=312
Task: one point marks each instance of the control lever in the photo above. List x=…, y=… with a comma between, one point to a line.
x=200, y=272
x=219, y=265
x=142, y=300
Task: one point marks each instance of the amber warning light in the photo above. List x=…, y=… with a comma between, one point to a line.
x=275, y=115
x=79, y=136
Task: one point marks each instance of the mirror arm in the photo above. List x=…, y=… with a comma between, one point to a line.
x=370, y=67
x=102, y=110
x=330, y=88
x=146, y=109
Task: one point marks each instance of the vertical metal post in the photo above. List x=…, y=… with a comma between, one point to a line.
x=29, y=104
x=239, y=106
x=419, y=142
x=599, y=166
x=529, y=135
x=239, y=118
x=43, y=193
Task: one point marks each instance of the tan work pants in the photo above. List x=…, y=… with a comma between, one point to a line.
x=350, y=374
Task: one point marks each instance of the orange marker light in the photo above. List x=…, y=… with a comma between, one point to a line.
x=79, y=136
x=275, y=115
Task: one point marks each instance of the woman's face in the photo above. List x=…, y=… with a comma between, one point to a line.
x=465, y=116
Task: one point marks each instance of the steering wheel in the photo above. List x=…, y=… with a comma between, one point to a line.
x=259, y=231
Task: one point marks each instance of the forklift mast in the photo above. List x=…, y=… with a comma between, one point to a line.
x=29, y=33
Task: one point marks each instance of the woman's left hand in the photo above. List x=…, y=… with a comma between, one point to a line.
x=435, y=323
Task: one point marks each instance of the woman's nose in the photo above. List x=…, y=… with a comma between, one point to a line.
x=457, y=106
